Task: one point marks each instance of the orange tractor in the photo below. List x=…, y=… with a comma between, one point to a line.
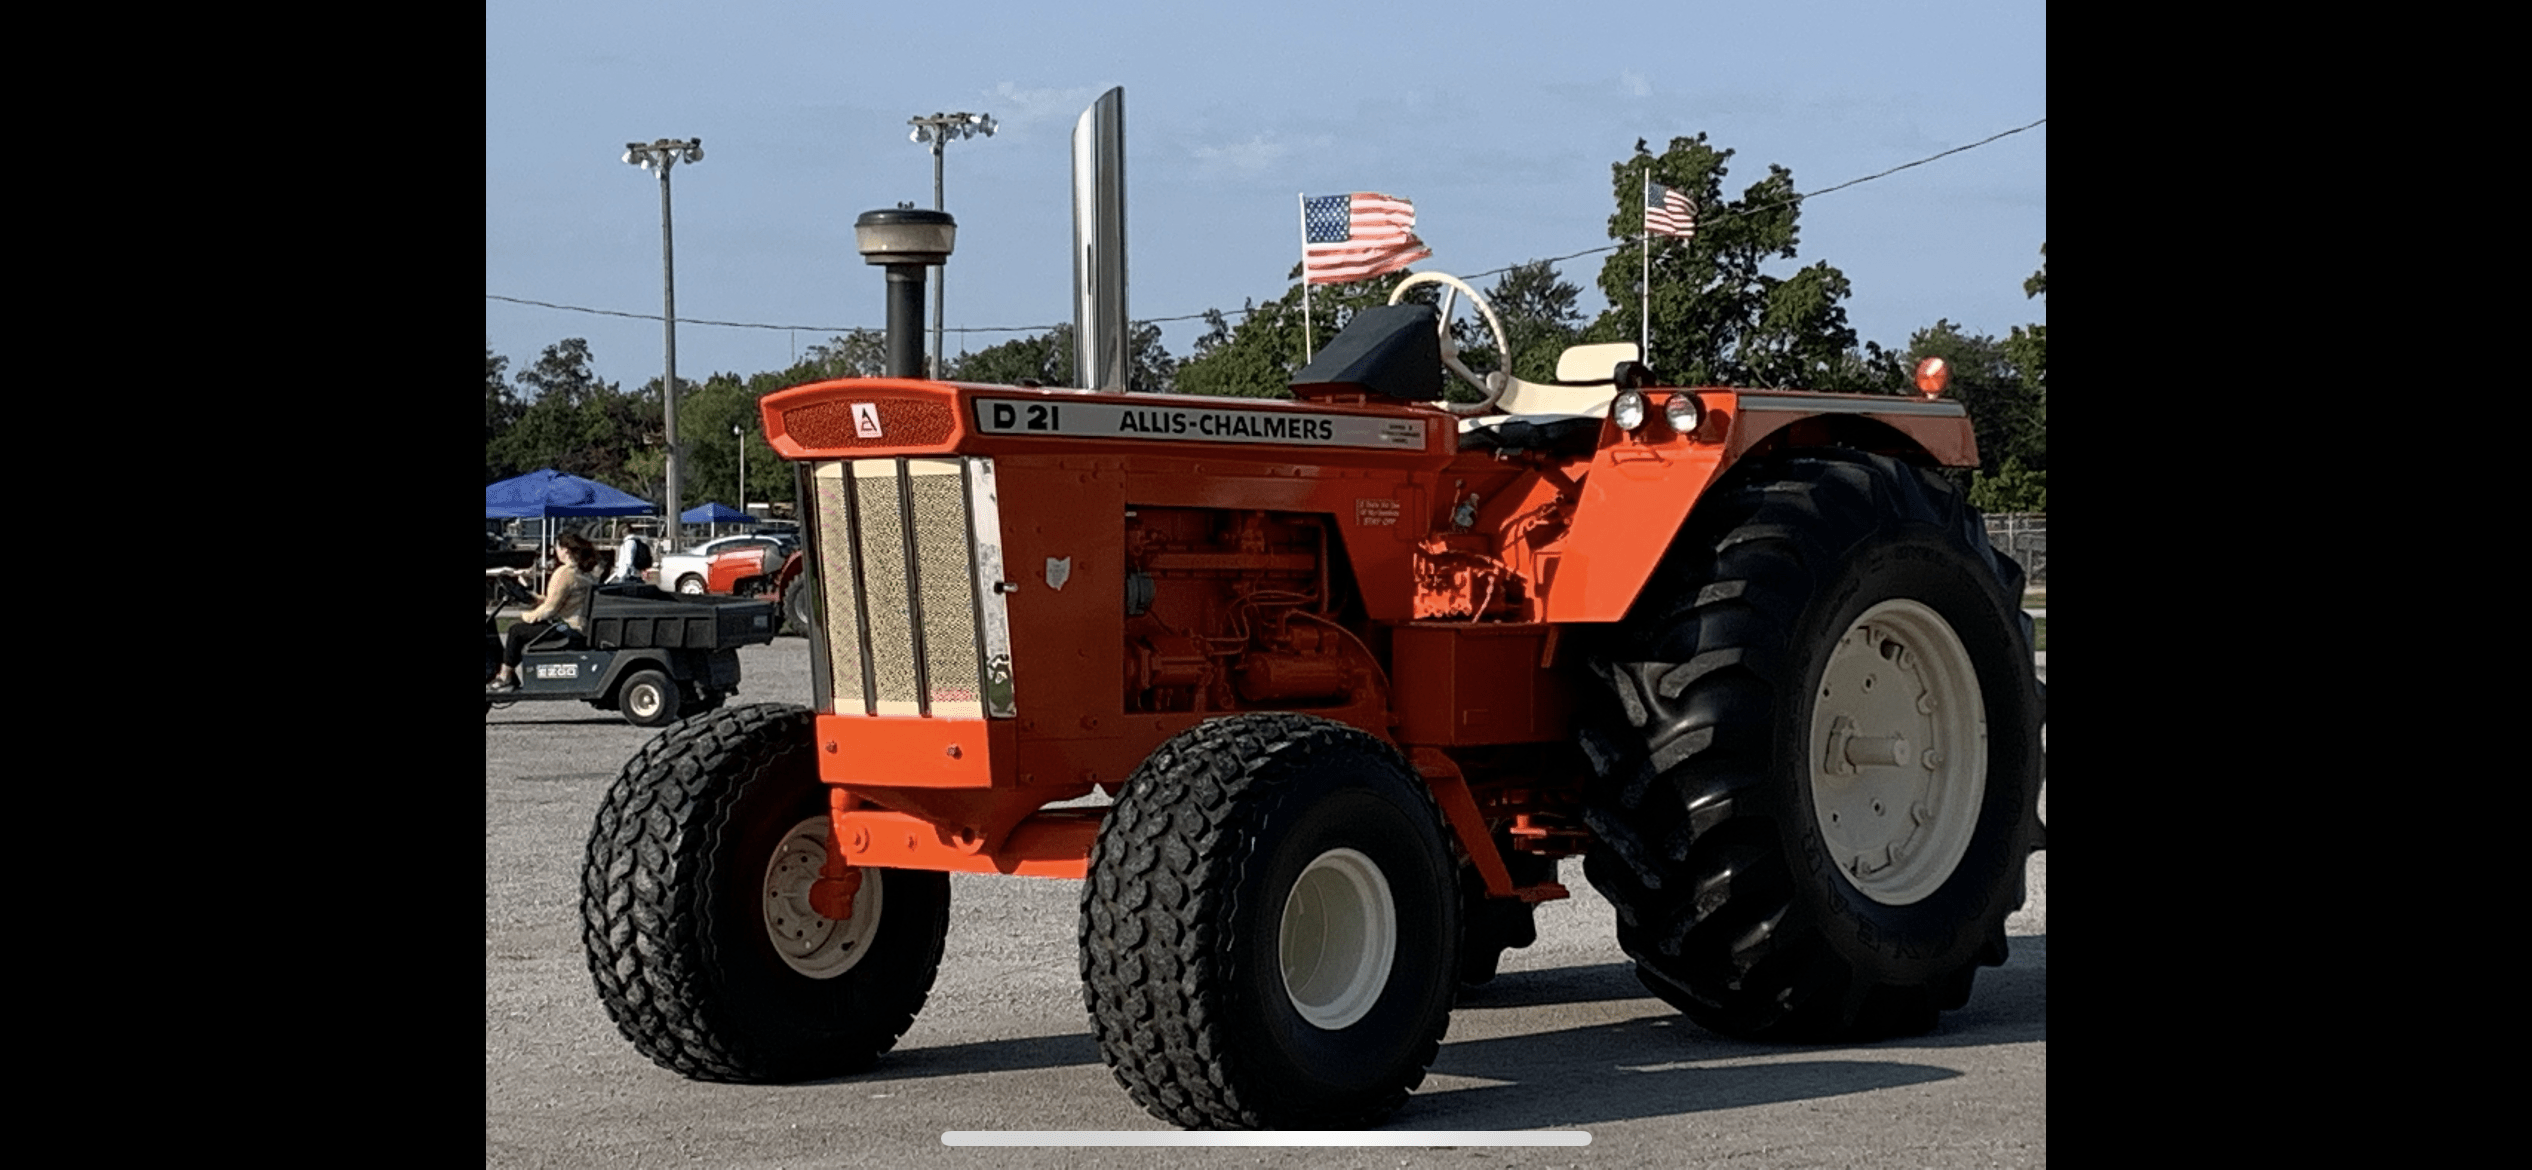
x=1314, y=694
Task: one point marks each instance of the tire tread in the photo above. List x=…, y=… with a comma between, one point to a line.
x=1688, y=849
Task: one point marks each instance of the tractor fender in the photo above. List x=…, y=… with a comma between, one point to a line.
x=1641, y=491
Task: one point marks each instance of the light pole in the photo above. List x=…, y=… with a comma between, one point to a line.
x=938, y=130
x=660, y=156
x=741, y=436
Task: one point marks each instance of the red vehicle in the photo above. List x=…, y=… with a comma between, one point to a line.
x=743, y=565
x=1355, y=670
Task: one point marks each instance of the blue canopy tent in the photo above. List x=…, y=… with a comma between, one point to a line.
x=716, y=514
x=545, y=494
x=549, y=493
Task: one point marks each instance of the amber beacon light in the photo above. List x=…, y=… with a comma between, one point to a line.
x=1932, y=375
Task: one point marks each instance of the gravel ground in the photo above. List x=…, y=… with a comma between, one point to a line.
x=1565, y=1038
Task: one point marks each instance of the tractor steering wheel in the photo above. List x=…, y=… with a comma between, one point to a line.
x=1494, y=382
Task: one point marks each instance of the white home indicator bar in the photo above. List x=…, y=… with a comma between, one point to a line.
x=1266, y=1137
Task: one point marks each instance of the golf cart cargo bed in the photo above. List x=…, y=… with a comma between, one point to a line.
x=644, y=617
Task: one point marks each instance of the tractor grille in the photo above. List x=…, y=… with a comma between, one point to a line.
x=910, y=552
x=902, y=424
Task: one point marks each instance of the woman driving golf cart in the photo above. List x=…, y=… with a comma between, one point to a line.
x=566, y=603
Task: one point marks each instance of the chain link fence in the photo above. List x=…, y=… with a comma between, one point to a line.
x=2024, y=537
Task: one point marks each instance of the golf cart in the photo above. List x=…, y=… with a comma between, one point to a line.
x=652, y=655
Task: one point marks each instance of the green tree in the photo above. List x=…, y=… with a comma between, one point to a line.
x=1718, y=316
x=501, y=412
x=2013, y=488
x=1153, y=371
x=2027, y=349
x=1985, y=380
x=862, y=353
x=1258, y=357
x=1539, y=316
x=1047, y=359
x=573, y=421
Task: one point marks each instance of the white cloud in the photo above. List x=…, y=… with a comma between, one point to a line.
x=1253, y=157
x=1634, y=83
x=1248, y=158
x=1021, y=108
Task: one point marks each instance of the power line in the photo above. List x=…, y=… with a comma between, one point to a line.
x=756, y=325
x=835, y=329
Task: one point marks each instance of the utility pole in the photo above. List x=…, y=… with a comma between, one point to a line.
x=660, y=156
x=938, y=129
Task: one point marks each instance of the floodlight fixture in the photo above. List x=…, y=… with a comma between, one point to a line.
x=661, y=156
x=938, y=129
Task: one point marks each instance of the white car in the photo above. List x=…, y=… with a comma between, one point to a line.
x=690, y=572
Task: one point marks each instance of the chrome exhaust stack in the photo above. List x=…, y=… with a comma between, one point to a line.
x=1102, y=335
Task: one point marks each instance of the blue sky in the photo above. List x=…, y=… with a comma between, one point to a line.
x=1499, y=120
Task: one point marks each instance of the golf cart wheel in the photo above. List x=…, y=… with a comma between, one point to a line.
x=697, y=923
x=1819, y=760
x=1270, y=932
x=690, y=585
x=648, y=699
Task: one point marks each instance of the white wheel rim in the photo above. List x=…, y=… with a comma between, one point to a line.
x=809, y=942
x=643, y=701
x=1338, y=938
x=1898, y=755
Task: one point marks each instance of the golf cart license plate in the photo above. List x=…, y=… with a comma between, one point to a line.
x=558, y=670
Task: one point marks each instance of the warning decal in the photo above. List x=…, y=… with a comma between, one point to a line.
x=1375, y=513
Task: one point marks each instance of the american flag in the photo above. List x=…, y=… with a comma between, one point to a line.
x=1349, y=237
x=1668, y=212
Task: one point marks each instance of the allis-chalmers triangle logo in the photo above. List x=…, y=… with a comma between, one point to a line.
x=866, y=420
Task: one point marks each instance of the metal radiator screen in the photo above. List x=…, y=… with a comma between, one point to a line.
x=915, y=624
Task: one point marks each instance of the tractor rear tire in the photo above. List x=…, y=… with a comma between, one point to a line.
x=694, y=911
x=1791, y=855
x=1270, y=930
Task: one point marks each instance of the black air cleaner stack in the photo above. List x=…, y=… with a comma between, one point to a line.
x=906, y=240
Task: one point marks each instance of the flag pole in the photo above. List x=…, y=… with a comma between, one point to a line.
x=1302, y=200
x=1644, y=310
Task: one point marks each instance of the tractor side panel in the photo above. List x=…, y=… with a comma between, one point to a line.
x=1063, y=532
x=1636, y=495
x=1462, y=684
x=1376, y=515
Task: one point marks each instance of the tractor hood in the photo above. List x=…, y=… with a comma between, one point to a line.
x=855, y=418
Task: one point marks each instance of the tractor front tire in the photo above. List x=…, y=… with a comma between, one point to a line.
x=1270, y=930
x=695, y=916
x=1818, y=769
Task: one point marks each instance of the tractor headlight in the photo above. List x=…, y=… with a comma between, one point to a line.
x=1627, y=410
x=1684, y=412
